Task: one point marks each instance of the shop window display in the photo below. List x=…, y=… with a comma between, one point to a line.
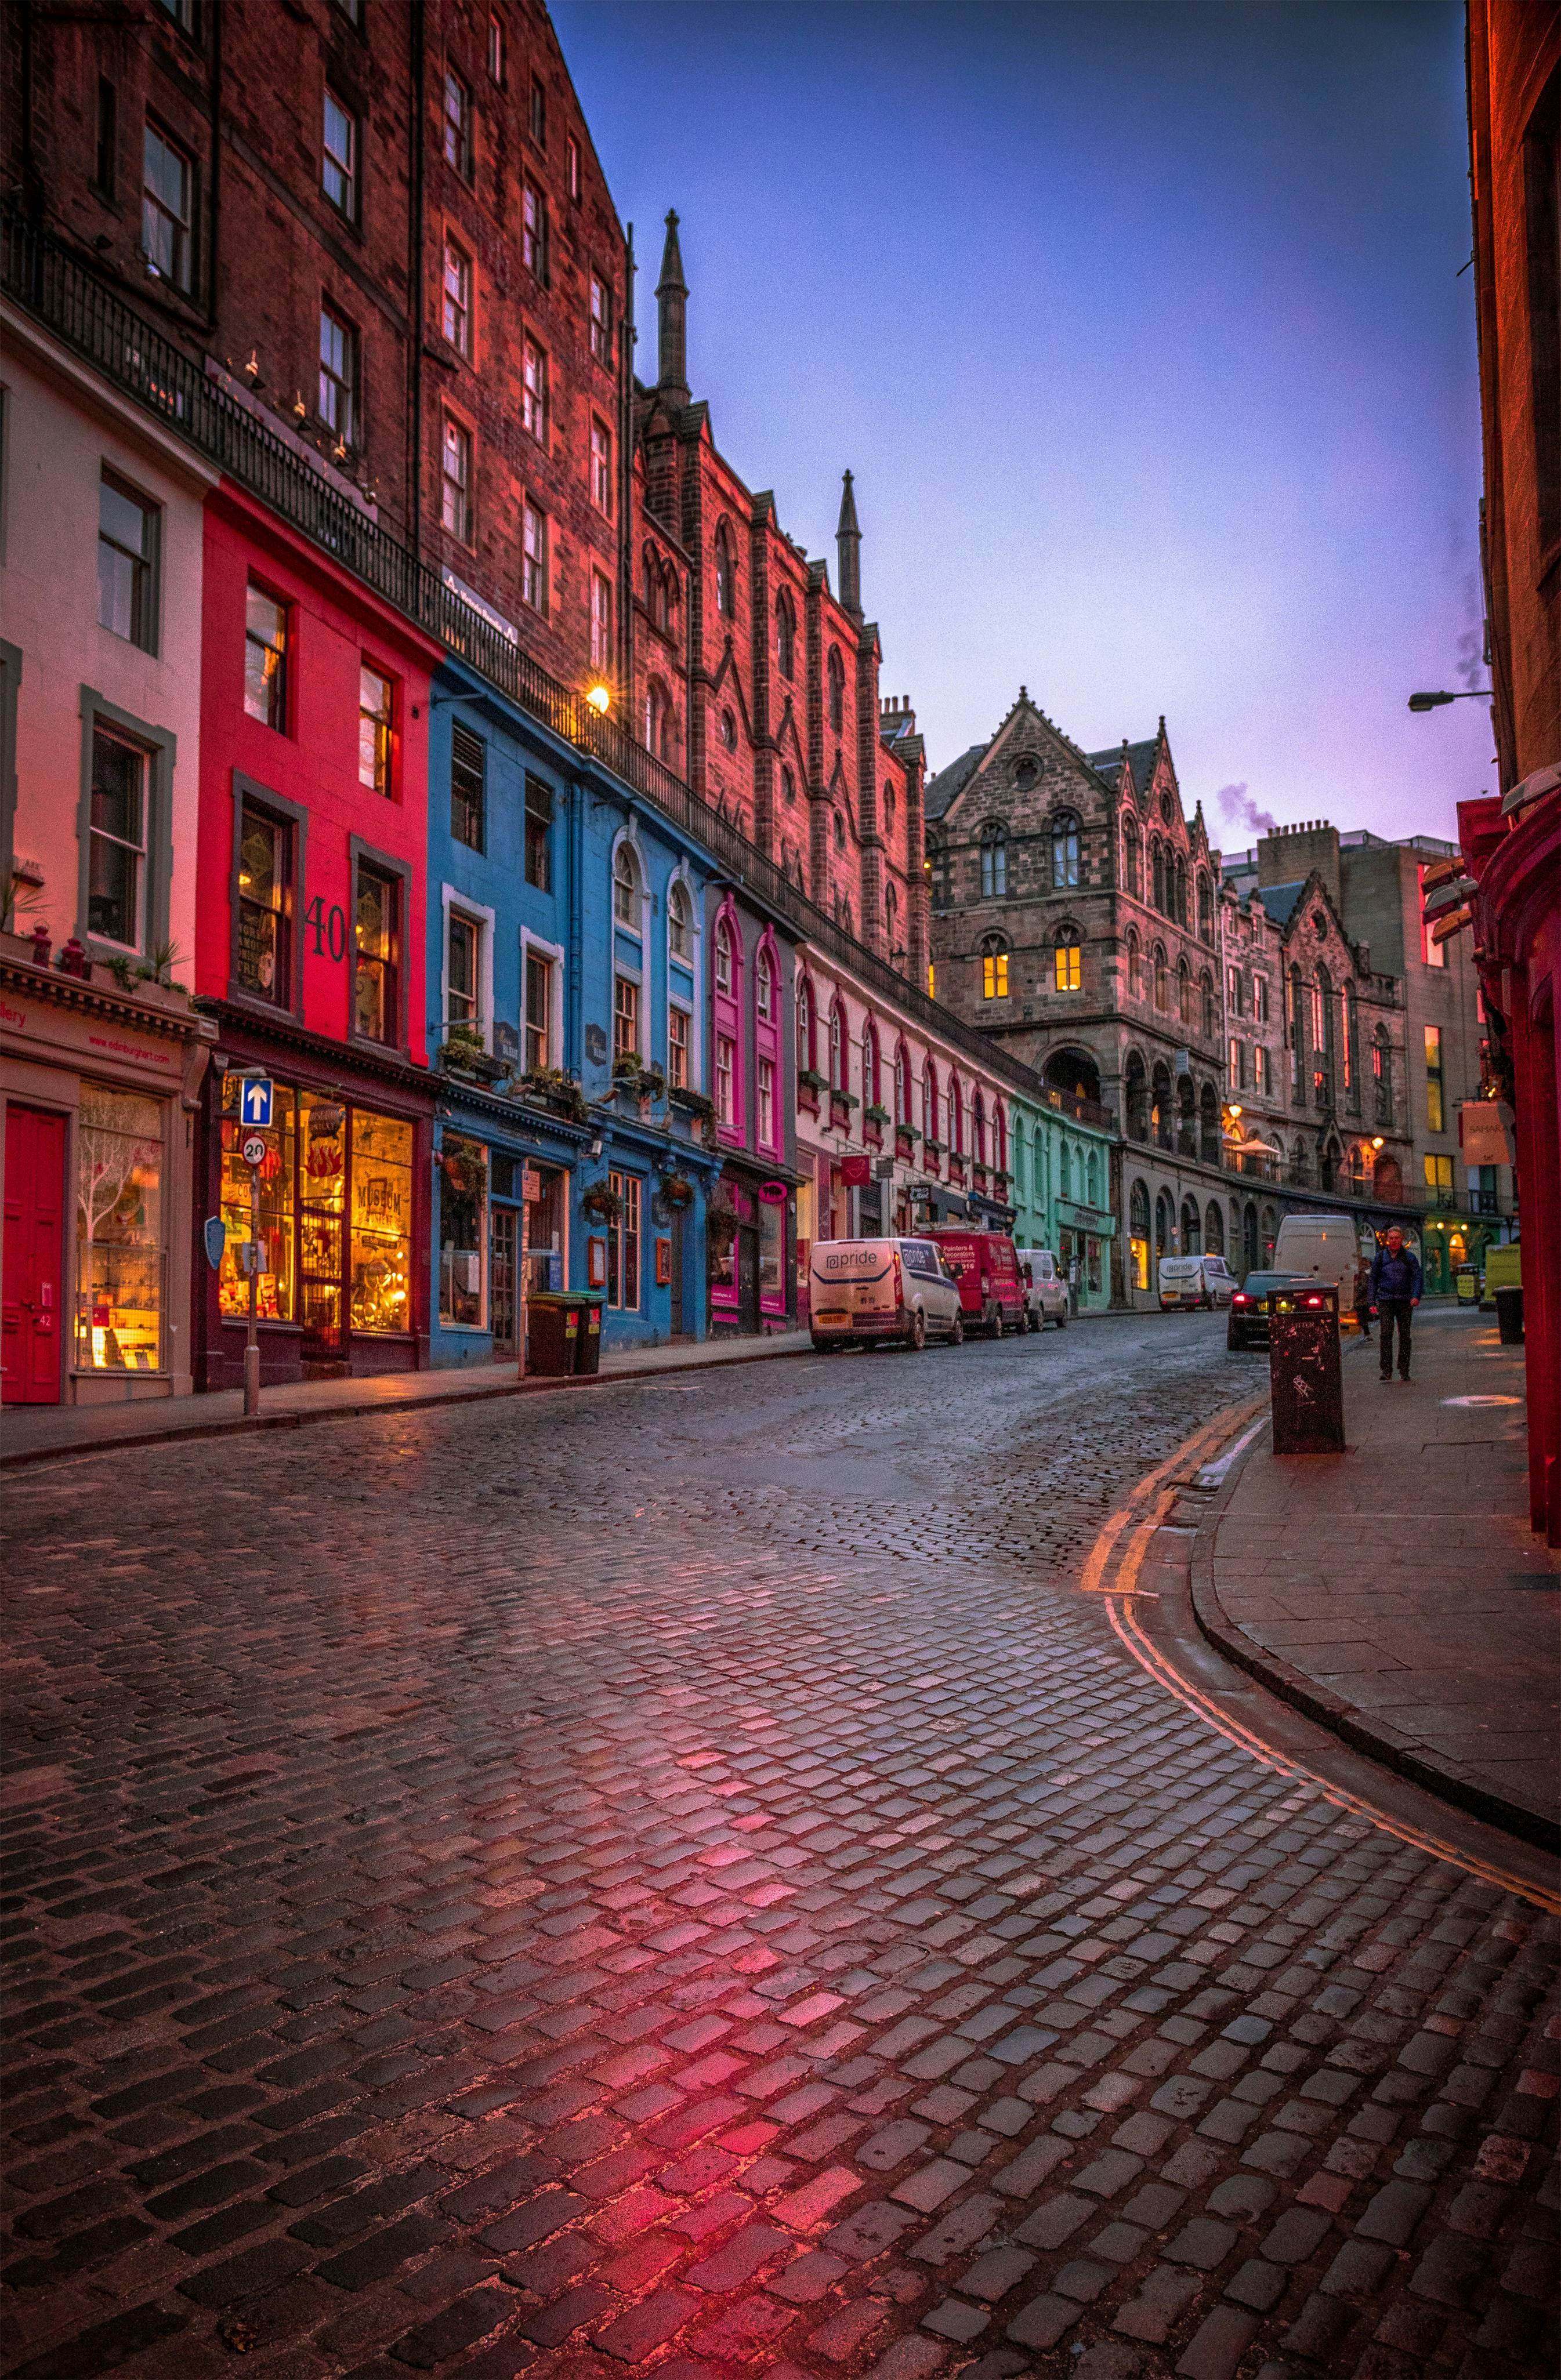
x=275, y=1289
x=119, y=1232
x=382, y=1222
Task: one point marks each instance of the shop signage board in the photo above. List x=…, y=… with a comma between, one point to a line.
x=215, y=1234
x=254, y=1107
x=1482, y=1132
x=856, y=1171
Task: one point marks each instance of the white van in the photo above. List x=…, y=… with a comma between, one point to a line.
x=1046, y=1291
x=1204, y=1281
x=1324, y=1247
x=870, y=1291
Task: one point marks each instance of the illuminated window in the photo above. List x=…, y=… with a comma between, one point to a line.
x=377, y=704
x=1435, y=1111
x=120, y=1231
x=265, y=658
x=262, y=957
x=376, y=923
x=993, y=968
x=1067, y=962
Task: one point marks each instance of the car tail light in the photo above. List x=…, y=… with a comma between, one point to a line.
x=899, y=1283
x=1240, y=1298
x=1311, y=1301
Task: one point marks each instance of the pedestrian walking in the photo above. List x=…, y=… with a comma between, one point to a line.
x=1395, y=1285
x=1363, y=1298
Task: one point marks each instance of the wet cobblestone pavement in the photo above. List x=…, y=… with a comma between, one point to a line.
x=683, y=1879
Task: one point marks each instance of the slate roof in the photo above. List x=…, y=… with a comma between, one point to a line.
x=1143, y=757
x=1280, y=899
x=942, y=789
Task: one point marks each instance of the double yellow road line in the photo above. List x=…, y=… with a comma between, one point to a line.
x=1112, y=1572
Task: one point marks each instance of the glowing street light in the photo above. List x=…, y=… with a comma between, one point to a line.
x=600, y=698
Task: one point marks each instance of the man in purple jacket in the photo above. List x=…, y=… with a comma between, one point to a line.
x=1396, y=1292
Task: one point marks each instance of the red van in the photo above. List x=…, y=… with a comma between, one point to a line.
x=991, y=1288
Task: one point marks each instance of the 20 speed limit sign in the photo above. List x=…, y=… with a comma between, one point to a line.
x=255, y=1150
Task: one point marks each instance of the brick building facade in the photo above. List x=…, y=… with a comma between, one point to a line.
x=387, y=233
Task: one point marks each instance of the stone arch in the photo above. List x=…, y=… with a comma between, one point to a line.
x=1191, y=1228
x=1209, y=1125
x=1213, y=1230
x=1074, y=1070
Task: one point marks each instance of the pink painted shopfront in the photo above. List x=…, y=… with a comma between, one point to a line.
x=751, y=1228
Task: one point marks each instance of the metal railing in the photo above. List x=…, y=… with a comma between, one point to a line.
x=43, y=276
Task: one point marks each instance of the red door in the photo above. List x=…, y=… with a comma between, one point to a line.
x=34, y=1252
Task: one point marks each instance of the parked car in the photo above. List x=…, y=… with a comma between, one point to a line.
x=1248, y=1315
x=1205, y=1282
x=1046, y=1291
x=986, y=1266
x=870, y=1291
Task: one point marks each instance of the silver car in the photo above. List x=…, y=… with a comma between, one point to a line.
x=1046, y=1291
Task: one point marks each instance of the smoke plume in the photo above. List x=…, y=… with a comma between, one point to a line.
x=1237, y=803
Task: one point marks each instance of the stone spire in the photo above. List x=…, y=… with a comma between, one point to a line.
x=672, y=318
x=848, y=545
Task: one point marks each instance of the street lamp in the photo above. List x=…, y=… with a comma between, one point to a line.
x=599, y=699
x=1435, y=701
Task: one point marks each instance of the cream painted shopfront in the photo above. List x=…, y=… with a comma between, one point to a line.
x=97, y=1085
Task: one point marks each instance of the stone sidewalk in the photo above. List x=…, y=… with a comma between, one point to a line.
x=1395, y=1591
x=32, y=1433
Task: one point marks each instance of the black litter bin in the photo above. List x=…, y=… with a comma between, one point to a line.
x=553, y=1316
x=1509, y=1317
x=587, y=1338
x=1306, y=1385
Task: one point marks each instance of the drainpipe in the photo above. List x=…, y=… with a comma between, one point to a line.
x=213, y=211
x=574, y=960
x=415, y=278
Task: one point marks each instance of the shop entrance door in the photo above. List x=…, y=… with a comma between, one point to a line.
x=503, y=1274
x=747, y=1277
x=322, y=1214
x=679, y=1325
x=29, y=1294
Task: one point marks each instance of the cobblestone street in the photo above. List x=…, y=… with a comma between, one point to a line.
x=684, y=1876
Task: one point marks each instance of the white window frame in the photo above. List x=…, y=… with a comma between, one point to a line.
x=477, y=915
x=554, y=953
x=684, y=976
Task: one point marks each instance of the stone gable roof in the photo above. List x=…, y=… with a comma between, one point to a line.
x=1280, y=899
x=942, y=789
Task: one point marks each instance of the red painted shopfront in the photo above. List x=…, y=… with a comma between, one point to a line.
x=310, y=938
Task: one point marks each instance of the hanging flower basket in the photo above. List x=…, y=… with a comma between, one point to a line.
x=677, y=1192
x=603, y=1203
x=464, y=1165
x=721, y=1224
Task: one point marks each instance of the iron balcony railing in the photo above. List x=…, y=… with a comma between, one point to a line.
x=43, y=276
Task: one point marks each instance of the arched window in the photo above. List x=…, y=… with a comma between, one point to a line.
x=1178, y=892
x=956, y=1116
x=806, y=1053
x=995, y=968
x=1092, y=1188
x=1164, y=1224
x=1381, y=1077
x=1206, y=909
x=839, y=831
x=1191, y=1228
x=789, y=788
x=978, y=1126
x=994, y=863
x=1068, y=960
x=1184, y=993
x=1357, y=1173
x=888, y=806
x=679, y=922
x=786, y=636
x=891, y=915
x=836, y=690
x=1132, y=858
x=723, y=956
x=1157, y=873
x=871, y=1084
x=1065, y=1174
x=930, y=1104
x=836, y=1048
x=1065, y=853
x=658, y=719
x=1206, y=1002
x=902, y=1085
x=729, y=731
x=626, y=888
x=1213, y=1230
x=725, y=574
x=1135, y=965
x=1349, y=1052
x=1162, y=980
x=1138, y=1228
x=764, y=988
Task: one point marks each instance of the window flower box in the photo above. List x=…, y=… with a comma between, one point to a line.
x=906, y=1138
x=552, y=1088
x=876, y=1115
x=840, y=1106
x=692, y=1103
x=810, y=1085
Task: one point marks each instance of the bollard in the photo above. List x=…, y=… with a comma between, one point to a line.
x=1306, y=1384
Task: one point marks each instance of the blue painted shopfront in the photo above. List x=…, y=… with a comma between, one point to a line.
x=567, y=1011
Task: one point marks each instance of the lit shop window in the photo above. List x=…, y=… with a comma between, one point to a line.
x=381, y=1255
x=119, y=1232
x=276, y=1287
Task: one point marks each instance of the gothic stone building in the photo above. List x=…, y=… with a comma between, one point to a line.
x=1074, y=917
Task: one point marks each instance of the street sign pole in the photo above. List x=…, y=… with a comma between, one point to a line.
x=251, y=1335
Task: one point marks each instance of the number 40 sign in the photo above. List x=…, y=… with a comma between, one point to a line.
x=328, y=928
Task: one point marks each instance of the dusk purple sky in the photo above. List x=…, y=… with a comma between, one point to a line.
x=1142, y=329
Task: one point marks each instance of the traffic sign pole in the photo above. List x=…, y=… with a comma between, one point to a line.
x=251, y=1335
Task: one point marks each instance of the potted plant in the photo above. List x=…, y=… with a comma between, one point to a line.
x=602, y=1202
x=692, y=1102
x=464, y=1164
x=550, y=1086
x=677, y=1192
x=810, y=1079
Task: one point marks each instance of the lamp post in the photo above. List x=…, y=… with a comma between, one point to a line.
x=1465, y=694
